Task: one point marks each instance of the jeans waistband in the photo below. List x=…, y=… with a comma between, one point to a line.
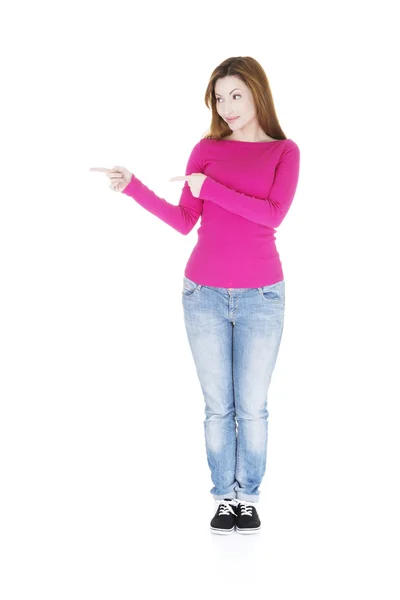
x=238, y=290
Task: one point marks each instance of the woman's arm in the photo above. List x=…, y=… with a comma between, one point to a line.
x=182, y=217
x=266, y=211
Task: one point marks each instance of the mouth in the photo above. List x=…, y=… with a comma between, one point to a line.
x=231, y=120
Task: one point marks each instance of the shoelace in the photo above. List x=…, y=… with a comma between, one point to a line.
x=246, y=507
x=226, y=507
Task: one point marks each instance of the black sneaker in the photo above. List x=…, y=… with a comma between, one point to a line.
x=224, y=519
x=247, y=520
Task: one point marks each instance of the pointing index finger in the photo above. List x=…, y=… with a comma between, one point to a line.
x=180, y=178
x=102, y=169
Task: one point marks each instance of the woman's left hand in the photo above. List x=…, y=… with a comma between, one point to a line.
x=195, y=181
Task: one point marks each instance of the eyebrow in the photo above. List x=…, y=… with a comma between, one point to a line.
x=229, y=92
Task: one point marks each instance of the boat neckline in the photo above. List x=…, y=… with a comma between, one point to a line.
x=248, y=142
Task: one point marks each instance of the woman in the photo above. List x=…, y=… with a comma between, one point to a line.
x=241, y=178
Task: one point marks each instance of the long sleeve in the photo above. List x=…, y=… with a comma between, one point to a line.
x=182, y=217
x=266, y=211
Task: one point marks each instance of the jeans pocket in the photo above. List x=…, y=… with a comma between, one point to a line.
x=274, y=293
x=189, y=287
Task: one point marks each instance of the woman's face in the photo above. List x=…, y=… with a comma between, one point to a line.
x=234, y=99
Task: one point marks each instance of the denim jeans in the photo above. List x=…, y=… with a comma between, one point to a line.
x=234, y=335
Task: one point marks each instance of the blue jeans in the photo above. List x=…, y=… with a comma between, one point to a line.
x=234, y=335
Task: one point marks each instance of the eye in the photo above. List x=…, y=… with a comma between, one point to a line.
x=233, y=96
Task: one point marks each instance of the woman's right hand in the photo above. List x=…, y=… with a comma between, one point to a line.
x=119, y=176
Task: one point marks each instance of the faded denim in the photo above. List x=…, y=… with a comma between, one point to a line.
x=235, y=335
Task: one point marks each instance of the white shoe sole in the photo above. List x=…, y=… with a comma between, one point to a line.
x=222, y=531
x=249, y=531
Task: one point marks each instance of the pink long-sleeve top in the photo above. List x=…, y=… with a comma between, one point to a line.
x=247, y=193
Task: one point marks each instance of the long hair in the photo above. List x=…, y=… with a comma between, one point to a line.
x=251, y=72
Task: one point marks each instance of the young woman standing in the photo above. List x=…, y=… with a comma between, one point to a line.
x=241, y=178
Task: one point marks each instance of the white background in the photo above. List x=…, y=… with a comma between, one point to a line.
x=105, y=489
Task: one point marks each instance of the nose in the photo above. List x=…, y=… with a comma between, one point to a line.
x=228, y=115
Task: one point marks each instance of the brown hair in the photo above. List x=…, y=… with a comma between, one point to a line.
x=251, y=72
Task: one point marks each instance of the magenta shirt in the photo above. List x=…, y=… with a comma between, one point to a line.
x=248, y=191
